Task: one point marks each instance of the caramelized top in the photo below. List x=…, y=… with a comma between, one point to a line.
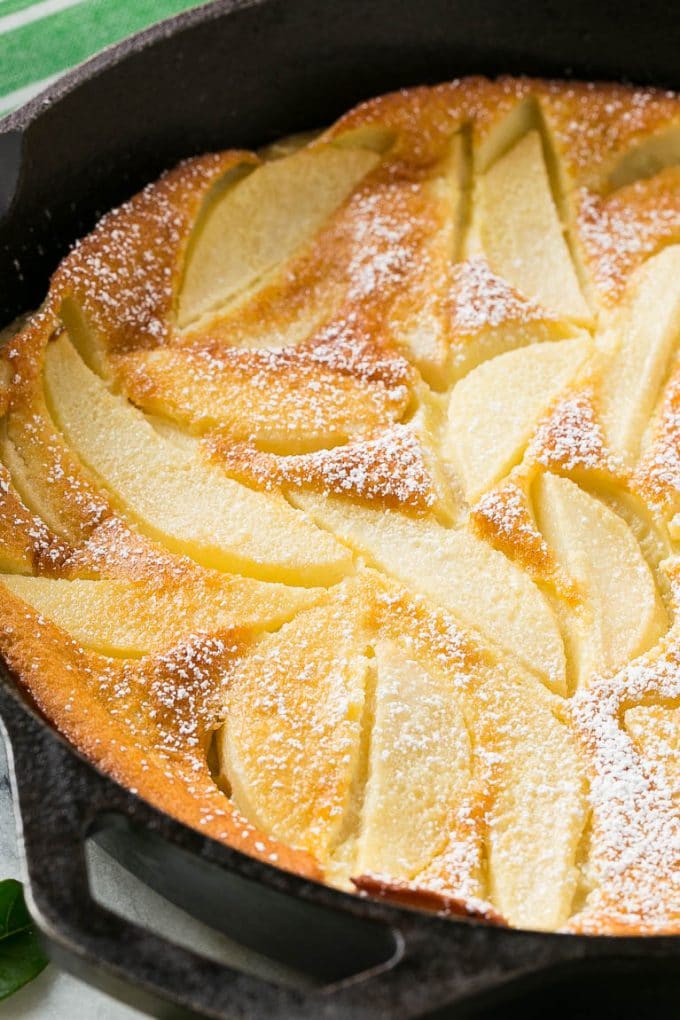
x=340, y=494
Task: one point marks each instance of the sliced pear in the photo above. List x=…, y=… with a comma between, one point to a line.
x=647, y=326
x=132, y=618
x=419, y=767
x=287, y=145
x=290, y=746
x=521, y=234
x=595, y=547
x=260, y=222
x=538, y=805
x=174, y=495
x=49, y=479
x=674, y=528
x=419, y=319
x=650, y=536
x=655, y=152
x=21, y=533
x=458, y=571
x=494, y=410
x=285, y=404
x=496, y=136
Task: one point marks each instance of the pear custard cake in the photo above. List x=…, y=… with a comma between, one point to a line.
x=340, y=501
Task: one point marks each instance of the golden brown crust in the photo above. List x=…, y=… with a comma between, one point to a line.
x=390, y=470
x=411, y=895
x=617, y=232
x=503, y=518
x=595, y=125
x=283, y=397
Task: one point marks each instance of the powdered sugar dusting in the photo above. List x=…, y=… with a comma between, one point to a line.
x=620, y=231
x=636, y=858
x=390, y=469
x=25, y=540
x=571, y=438
x=480, y=299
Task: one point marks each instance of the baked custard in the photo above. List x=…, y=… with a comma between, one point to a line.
x=340, y=501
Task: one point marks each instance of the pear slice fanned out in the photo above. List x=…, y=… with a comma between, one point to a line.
x=133, y=618
x=279, y=403
x=419, y=318
x=538, y=805
x=290, y=747
x=175, y=496
x=648, y=157
x=261, y=220
x=458, y=571
x=521, y=233
x=647, y=325
x=24, y=537
x=494, y=410
x=419, y=768
x=624, y=614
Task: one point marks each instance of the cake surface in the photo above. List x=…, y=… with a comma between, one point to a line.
x=340, y=501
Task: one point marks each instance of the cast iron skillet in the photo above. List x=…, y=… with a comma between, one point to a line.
x=241, y=74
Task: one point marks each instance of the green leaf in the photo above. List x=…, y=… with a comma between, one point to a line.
x=13, y=914
x=21, y=956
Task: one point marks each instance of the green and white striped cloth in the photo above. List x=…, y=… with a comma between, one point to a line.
x=39, y=41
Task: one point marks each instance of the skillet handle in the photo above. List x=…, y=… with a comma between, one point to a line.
x=387, y=961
